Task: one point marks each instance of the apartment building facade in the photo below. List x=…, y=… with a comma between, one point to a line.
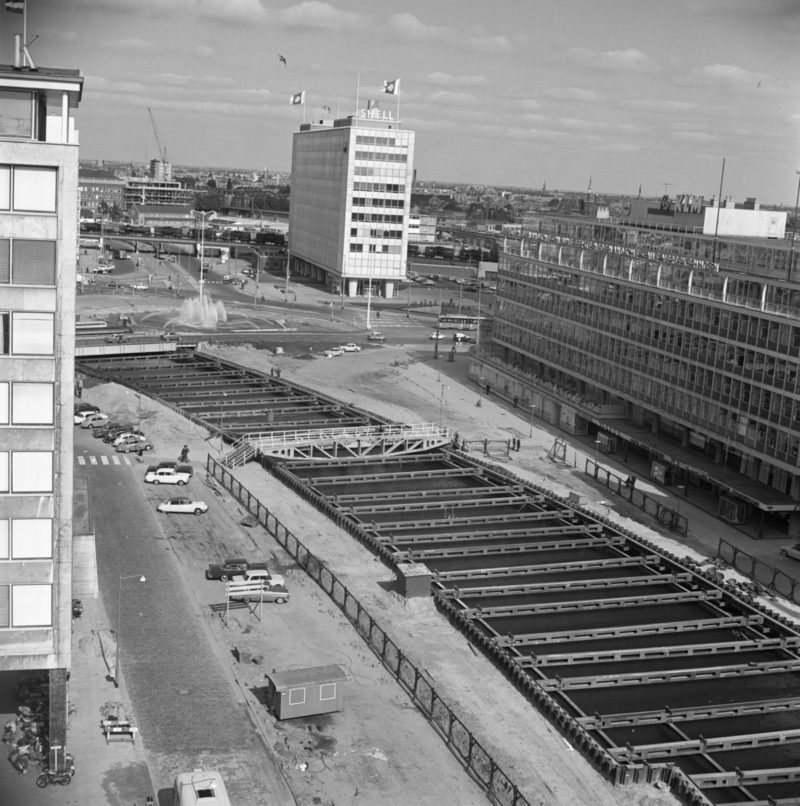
x=350, y=203
x=38, y=250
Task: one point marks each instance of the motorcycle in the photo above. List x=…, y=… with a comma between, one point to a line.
x=77, y=608
x=63, y=776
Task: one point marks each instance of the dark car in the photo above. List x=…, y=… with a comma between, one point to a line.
x=83, y=407
x=100, y=431
x=111, y=435
x=226, y=569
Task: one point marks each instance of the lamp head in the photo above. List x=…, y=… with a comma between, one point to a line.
x=142, y=578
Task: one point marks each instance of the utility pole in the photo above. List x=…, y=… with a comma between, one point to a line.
x=369, y=300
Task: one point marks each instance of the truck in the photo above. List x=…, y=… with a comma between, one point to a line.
x=169, y=474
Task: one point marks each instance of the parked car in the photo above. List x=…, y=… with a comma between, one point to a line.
x=257, y=571
x=133, y=443
x=140, y=285
x=128, y=432
x=112, y=433
x=228, y=278
x=279, y=594
x=183, y=506
x=350, y=347
x=99, y=430
x=227, y=569
x=333, y=352
x=80, y=417
x=79, y=407
x=792, y=551
x=379, y=337
x=93, y=419
x=436, y=335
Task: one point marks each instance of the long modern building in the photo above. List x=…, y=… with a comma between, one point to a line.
x=38, y=251
x=690, y=362
x=351, y=198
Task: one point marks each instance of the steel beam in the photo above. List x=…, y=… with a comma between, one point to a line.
x=631, y=630
x=691, y=747
x=442, y=496
x=464, y=503
x=560, y=683
x=658, y=652
x=566, y=587
x=549, y=568
x=670, y=715
x=467, y=537
x=447, y=522
x=540, y=608
x=723, y=780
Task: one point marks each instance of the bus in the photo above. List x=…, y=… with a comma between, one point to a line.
x=454, y=321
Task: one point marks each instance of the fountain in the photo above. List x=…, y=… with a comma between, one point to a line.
x=201, y=312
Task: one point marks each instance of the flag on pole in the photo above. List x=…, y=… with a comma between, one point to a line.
x=392, y=87
x=298, y=98
x=15, y=6
x=326, y=109
x=372, y=104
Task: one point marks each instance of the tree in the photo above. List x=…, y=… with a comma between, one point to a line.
x=211, y=184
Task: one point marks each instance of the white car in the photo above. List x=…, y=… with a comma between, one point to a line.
x=183, y=506
x=436, y=335
x=350, y=347
x=81, y=416
x=792, y=551
x=334, y=351
x=93, y=418
x=141, y=285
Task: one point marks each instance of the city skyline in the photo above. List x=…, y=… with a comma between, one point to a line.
x=621, y=93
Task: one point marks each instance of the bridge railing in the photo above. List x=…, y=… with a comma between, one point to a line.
x=402, y=431
x=461, y=742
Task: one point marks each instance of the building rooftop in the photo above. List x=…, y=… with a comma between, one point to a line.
x=43, y=76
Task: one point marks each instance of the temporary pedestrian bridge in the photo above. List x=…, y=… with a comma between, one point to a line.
x=338, y=443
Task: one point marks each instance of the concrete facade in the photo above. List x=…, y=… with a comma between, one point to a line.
x=351, y=194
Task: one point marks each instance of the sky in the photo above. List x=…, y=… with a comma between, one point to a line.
x=523, y=93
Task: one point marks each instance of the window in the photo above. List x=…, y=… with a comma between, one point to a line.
x=5, y=342
x=3, y=540
x=327, y=691
x=4, y=403
x=32, y=472
x=4, y=471
x=297, y=696
x=33, y=262
x=32, y=333
x=5, y=609
x=31, y=404
x=16, y=113
x=5, y=260
x=31, y=538
x=31, y=605
x=35, y=189
x=5, y=186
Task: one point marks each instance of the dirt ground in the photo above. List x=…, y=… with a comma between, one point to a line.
x=379, y=750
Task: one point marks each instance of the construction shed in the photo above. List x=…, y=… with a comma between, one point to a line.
x=305, y=692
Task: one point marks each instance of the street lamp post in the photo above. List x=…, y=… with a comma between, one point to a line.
x=533, y=410
x=480, y=391
x=597, y=451
x=441, y=403
x=202, y=247
x=122, y=578
x=221, y=417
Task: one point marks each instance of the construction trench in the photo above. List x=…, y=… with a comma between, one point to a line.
x=649, y=665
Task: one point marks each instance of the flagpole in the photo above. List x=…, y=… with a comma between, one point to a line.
x=398, y=106
x=358, y=89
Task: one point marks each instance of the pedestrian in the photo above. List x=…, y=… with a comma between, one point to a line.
x=515, y=401
x=278, y=373
x=185, y=454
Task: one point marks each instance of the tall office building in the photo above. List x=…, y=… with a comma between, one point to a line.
x=38, y=252
x=351, y=198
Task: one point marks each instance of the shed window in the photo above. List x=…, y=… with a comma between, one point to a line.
x=32, y=404
x=34, y=262
x=32, y=471
x=35, y=189
x=31, y=538
x=327, y=691
x=33, y=333
x=297, y=696
x=16, y=113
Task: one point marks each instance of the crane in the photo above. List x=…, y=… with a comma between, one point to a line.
x=162, y=152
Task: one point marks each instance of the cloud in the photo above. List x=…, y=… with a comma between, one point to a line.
x=131, y=43
x=102, y=84
x=204, y=50
x=407, y=26
x=447, y=80
x=448, y=98
x=658, y=105
x=628, y=60
x=229, y=10
x=728, y=75
x=59, y=35
x=573, y=94
x=314, y=15
x=488, y=44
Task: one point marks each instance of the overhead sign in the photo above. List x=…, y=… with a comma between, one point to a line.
x=375, y=114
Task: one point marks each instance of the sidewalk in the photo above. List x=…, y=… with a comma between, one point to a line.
x=117, y=769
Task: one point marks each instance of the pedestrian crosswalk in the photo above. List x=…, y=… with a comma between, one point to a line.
x=116, y=459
